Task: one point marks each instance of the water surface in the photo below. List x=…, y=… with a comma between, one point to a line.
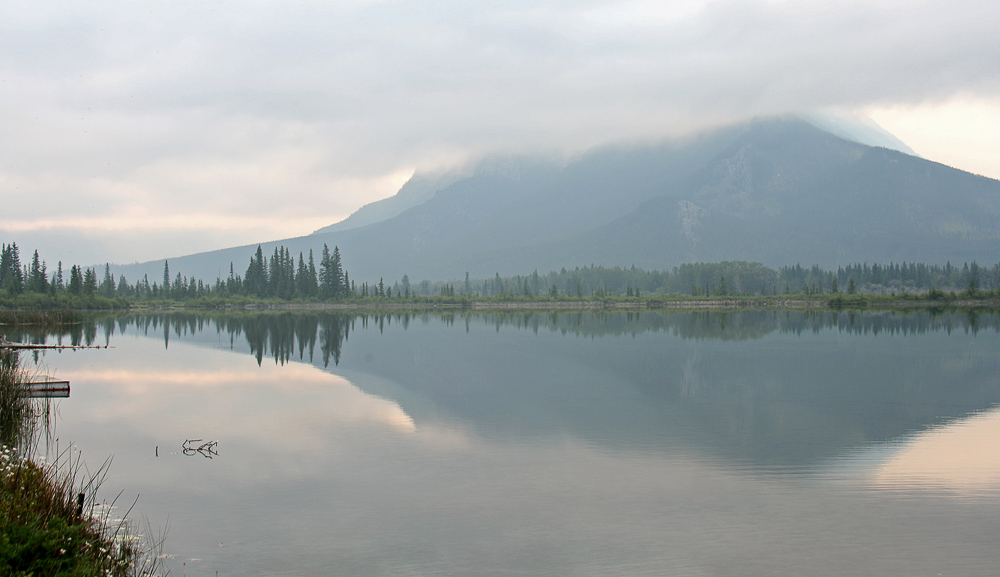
x=748, y=443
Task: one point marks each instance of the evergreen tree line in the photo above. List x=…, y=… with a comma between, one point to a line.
x=17, y=279
x=731, y=278
x=891, y=278
x=282, y=276
x=279, y=276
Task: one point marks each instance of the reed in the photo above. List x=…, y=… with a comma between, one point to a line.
x=18, y=415
x=40, y=318
x=51, y=522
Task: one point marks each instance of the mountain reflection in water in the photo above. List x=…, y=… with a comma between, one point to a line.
x=734, y=443
x=742, y=386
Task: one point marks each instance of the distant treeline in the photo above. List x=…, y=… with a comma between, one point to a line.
x=284, y=277
x=739, y=278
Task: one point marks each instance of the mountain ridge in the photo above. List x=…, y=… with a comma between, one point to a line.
x=778, y=191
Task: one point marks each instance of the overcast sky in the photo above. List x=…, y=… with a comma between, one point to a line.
x=143, y=130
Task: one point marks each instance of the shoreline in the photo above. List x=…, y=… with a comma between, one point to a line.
x=750, y=303
x=17, y=316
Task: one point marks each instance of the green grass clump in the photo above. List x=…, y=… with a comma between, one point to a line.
x=42, y=318
x=43, y=531
x=66, y=301
x=47, y=529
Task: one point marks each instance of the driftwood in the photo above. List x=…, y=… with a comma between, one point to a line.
x=48, y=389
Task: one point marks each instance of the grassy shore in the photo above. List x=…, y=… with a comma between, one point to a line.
x=62, y=308
x=676, y=302
x=50, y=521
x=63, y=316
x=40, y=318
x=45, y=530
x=62, y=301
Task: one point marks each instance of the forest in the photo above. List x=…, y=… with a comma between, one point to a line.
x=281, y=276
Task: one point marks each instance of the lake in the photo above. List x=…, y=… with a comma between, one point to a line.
x=690, y=443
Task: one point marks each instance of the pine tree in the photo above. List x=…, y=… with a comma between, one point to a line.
x=108, y=284
x=302, y=278
x=722, y=290
x=231, y=287
x=75, y=280
x=11, y=275
x=336, y=274
x=255, y=280
x=274, y=275
x=324, y=273
x=312, y=279
x=37, y=280
x=89, y=282
x=287, y=288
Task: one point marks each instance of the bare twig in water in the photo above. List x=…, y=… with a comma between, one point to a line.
x=206, y=449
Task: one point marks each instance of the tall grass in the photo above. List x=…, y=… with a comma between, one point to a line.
x=18, y=415
x=51, y=522
x=40, y=318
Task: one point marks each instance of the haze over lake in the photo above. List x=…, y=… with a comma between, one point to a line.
x=220, y=196
x=747, y=443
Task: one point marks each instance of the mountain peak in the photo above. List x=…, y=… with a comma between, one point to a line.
x=776, y=191
x=855, y=128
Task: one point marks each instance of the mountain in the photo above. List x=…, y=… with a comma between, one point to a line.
x=778, y=191
x=786, y=193
x=417, y=190
x=857, y=129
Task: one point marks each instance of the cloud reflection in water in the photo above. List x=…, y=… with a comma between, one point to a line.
x=284, y=421
x=961, y=457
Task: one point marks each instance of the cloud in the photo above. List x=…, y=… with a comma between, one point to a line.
x=960, y=132
x=310, y=109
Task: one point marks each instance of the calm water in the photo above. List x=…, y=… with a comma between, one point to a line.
x=742, y=444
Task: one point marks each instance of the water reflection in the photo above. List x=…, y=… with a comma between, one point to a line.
x=282, y=411
x=961, y=456
x=284, y=336
x=745, y=386
x=466, y=444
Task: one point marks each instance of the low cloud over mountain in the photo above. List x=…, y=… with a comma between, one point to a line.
x=777, y=190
